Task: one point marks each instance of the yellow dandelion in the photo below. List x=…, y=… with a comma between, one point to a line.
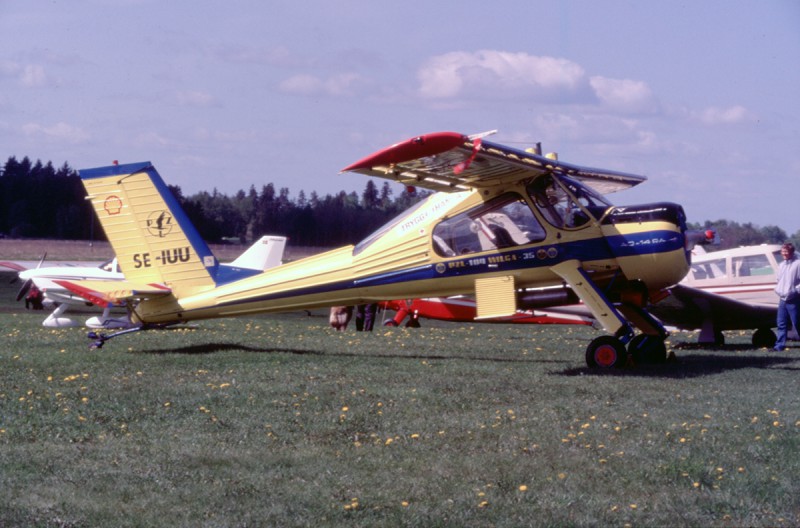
x=523, y=487
x=404, y=504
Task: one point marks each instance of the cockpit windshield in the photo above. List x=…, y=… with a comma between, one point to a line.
x=566, y=203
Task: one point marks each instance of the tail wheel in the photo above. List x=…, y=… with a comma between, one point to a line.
x=606, y=352
x=647, y=349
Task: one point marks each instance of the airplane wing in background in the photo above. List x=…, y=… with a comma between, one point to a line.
x=692, y=308
x=103, y=293
x=448, y=161
x=12, y=265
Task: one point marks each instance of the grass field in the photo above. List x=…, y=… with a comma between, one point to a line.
x=278, y=421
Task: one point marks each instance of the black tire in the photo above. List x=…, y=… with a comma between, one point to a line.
x=647, y=350
x=413, y=323
x=764, y=338
x=606, y=352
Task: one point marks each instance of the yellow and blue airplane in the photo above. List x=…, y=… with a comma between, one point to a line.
x=506, y=224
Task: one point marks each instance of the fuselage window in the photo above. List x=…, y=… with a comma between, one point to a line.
x=505, y=221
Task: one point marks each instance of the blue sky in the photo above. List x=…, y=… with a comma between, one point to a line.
x=703, y=97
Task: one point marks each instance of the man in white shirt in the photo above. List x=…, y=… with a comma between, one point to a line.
x=788, y=290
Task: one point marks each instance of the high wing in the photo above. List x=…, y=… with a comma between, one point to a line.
x=691, y=308
x=449, y=161
x=103, y=293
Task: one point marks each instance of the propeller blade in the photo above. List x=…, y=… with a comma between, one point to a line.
x=41, y=261
x=24, y=290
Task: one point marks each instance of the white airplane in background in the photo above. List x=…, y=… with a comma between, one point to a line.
x=732, y=289
x=265, y=253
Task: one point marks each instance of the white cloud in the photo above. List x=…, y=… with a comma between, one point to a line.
x=725, y=116
x=33, y=75
x=276, y=56
x=341, y=85
x=501, y=74
x=30, y=75
x=152, y=139
x=9, y=68
x=624, y=94
x=61, y=132
x=195, y=98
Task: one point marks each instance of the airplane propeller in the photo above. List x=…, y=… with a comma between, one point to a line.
x=26, y=286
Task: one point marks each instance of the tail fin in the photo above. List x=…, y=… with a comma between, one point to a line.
x=266, y=253
x=152, y=237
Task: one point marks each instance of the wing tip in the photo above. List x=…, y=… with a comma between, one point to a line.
x=410, y=149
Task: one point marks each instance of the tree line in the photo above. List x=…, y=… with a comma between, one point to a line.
x=38, y=200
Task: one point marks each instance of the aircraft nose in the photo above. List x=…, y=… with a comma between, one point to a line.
x=653, y=214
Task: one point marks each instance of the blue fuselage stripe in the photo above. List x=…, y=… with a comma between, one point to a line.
x=601, y=248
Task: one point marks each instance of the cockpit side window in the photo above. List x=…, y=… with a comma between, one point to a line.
x=505, y=221
x=566, y=203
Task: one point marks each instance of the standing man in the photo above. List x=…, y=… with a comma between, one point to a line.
x=788, y=290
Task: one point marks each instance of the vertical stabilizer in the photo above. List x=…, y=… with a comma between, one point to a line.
x=152, y=237
x=267, y=252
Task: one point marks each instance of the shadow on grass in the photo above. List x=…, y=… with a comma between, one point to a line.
x=694, y=365
x=213, y=348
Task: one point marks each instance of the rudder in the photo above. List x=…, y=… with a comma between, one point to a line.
x=152, y=237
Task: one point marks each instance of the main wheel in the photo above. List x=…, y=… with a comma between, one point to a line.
x=647, y=349
x=764, y=338
x=413, y=322
x=606, y=352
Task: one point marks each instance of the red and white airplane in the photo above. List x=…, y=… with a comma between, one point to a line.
x=464, y=309
x=265, y=253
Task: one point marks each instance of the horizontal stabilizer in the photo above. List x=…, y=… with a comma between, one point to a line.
x=103, y=293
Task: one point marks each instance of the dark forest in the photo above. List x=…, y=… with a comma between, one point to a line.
x=39, y=201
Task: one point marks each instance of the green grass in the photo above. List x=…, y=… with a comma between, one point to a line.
x=279, y=421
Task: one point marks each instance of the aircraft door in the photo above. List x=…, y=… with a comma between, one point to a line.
x=503, y=222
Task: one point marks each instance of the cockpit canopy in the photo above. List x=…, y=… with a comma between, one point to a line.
x=504, y=221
